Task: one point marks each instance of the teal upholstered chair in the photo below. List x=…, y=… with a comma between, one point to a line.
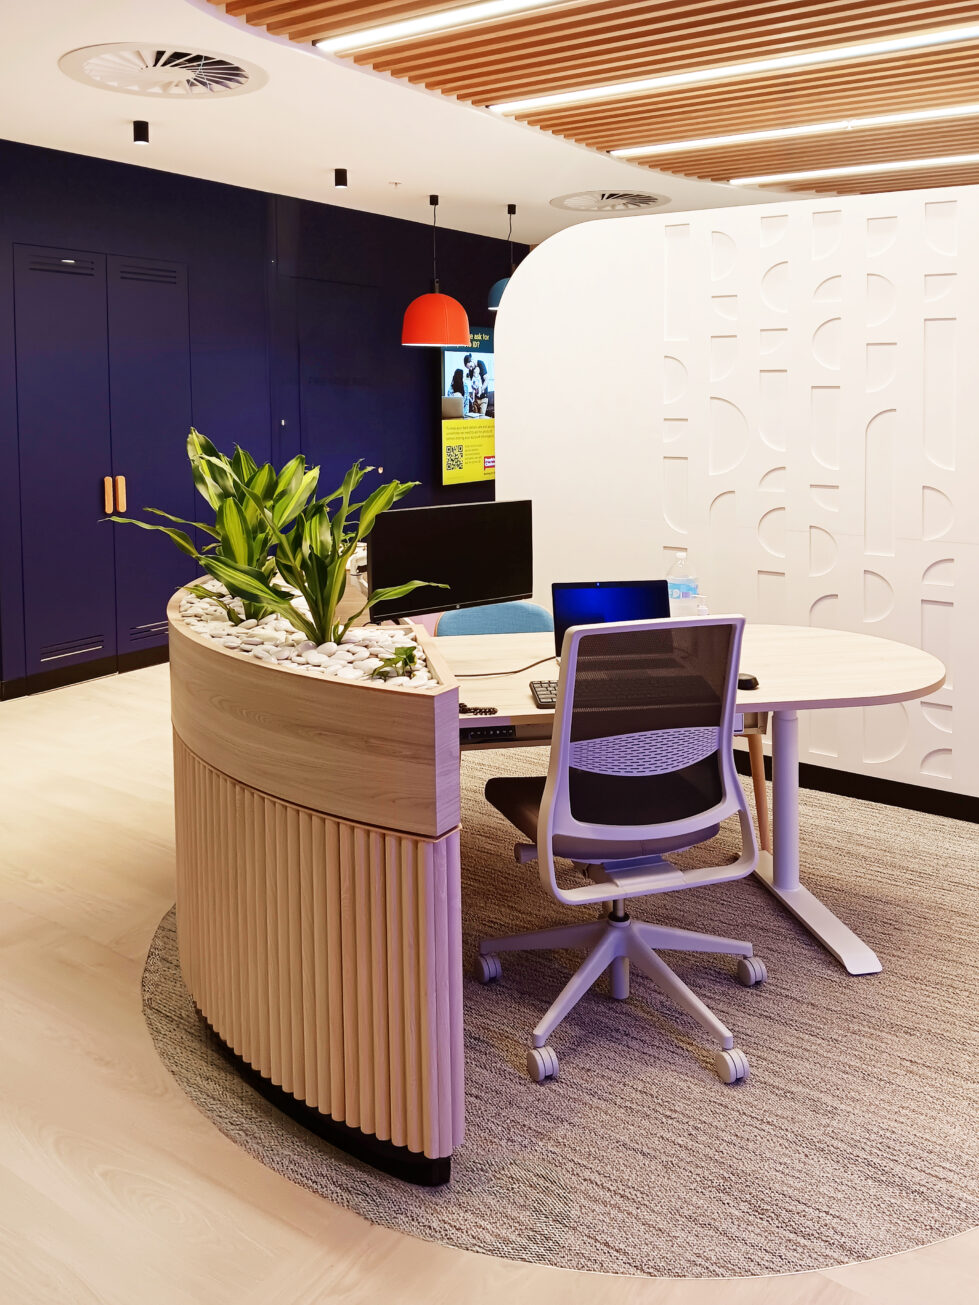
x=496, y=618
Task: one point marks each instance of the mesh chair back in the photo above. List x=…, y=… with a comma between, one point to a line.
x=643, y=729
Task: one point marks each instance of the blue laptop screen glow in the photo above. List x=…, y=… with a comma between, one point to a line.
x=601, y=602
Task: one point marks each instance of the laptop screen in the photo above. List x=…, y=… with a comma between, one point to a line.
x=603, y=601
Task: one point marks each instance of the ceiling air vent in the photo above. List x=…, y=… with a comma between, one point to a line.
x=609, y=201
x=161, y=71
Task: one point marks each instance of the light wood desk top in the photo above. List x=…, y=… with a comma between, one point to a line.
x=797, y=667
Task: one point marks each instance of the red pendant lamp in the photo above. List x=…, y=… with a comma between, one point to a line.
x=435, y=319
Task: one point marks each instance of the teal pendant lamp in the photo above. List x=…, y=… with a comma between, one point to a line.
x=497, y=288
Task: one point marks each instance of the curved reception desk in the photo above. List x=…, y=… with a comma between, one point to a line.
x=318, y=896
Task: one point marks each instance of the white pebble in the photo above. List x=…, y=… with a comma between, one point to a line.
x=358, y=654
x=314, y=659
x=249, y=624
x=369, y=663
x=348, y=673
x=327, y=649
x=231, y=642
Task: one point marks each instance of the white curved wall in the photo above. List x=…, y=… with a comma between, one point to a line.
x=791, y=391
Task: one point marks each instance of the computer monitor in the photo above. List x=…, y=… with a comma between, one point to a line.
x=482, y=551
x=598, y=602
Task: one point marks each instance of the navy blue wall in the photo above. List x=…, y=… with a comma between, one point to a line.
x=295, y=317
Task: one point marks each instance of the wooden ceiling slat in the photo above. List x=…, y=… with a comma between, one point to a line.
x=820, y=85
x=878, y=183
x=312, y=30
x=765, y=157
x=338, y=12
x=674, y=124
x=501, y=69
x=569, y=44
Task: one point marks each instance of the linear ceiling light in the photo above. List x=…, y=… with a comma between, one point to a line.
x=428, y=24
x=724, y=72
x=857, y=169
x=807, y=129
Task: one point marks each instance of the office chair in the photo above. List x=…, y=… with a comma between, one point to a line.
x=495, y=618
x=642, y=764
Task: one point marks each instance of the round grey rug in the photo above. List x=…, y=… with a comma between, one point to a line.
x=856, y=1136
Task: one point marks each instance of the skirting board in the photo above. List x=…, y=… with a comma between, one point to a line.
x=868, y=788
x=93, y=670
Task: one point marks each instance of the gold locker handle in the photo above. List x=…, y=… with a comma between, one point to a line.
x=120, y=493
x=107, y=494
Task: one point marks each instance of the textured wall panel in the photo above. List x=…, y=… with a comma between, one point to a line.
x=805, y=373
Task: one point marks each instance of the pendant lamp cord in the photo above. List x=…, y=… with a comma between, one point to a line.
x=435, y=266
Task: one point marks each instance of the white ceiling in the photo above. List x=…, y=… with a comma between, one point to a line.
x=315, y=113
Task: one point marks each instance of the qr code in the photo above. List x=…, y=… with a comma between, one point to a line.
x=453, y=457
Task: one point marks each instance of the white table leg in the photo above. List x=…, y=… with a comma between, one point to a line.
x=779, y=870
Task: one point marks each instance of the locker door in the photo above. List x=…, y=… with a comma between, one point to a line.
x=65, y=448
x=149, y=381
x=348, y=400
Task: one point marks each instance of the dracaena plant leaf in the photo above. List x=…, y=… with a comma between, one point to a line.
x=211, y=469
x=242, y=463
x=179, y=537
x=294, y=498
x=198, y=525
x=237, y=540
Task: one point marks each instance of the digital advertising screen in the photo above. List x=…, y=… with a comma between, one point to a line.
x=469, y=411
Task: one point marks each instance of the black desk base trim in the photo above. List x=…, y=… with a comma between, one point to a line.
x=868, y=788
x=398, y=1161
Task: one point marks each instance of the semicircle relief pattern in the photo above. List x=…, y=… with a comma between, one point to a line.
x=818, y=416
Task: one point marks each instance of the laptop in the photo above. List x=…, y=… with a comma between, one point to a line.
x=599, y=602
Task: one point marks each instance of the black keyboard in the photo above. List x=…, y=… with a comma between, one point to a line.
x=545, y=693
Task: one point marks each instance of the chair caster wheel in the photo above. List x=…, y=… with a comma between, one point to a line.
x=541, y=1064
x=731, y=1066
x=751, y=970
x=487, y=968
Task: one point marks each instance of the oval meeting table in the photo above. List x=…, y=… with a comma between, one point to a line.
x=317, y=858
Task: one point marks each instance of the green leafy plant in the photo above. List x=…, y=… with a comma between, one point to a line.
x=276, y=548
x=403, y=662
x=242, y=494
x=312, y=558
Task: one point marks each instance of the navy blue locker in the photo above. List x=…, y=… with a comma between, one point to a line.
x=351, y=396
x=149, y=380
x=64, y=454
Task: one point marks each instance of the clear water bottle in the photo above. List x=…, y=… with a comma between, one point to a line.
x=684, y=587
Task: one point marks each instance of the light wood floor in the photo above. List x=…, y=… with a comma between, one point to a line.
x=112, y=1187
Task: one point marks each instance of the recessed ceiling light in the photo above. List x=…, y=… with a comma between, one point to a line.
x=806, y=129
x=428, y=24
x=857, y=169
x=754, y=68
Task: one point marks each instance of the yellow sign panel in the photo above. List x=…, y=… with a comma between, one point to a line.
x=468, y=450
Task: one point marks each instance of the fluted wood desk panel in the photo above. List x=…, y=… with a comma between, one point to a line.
x=327, y=955
x=357, y=751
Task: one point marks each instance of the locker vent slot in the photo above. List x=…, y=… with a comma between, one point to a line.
x=53, y=651
x=67, y=266
x=158, y=275
x=149, y=631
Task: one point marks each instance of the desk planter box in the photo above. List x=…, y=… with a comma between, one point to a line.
x=317, y=840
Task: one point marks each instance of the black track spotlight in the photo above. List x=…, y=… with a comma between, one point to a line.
x=141, y=132
x=340, y=178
